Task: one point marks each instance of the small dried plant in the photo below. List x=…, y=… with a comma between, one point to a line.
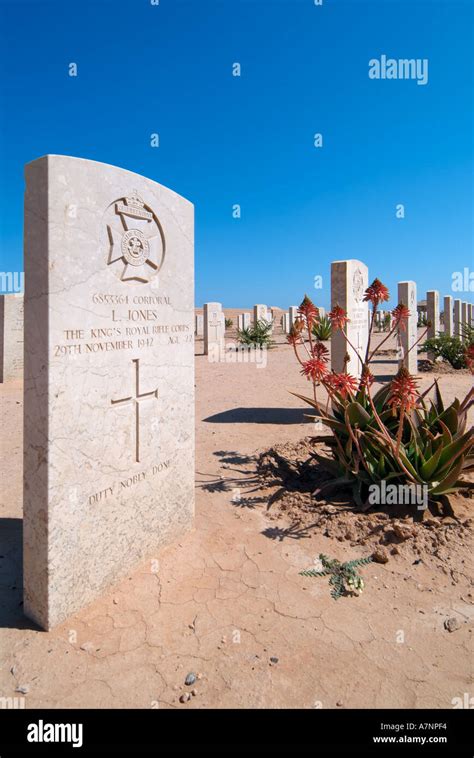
x=344, y=578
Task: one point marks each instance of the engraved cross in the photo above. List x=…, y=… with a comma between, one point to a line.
x=135, y=400
x=216, y=324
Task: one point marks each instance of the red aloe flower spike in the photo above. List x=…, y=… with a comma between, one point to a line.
x=314, y=369
x=366, y=379
x=376, y=293
x=308, y=310
x=320, y=351
x=400, y=316
x=294, y=337
x=338, y=317
x=403, y=391
x=342, y=383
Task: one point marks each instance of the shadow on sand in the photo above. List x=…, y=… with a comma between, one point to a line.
x=260, y=416
x=11, y=573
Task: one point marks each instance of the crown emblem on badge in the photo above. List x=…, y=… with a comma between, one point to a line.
x=134, y=200
x=132, y=205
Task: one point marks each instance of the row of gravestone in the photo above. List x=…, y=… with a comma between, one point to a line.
x=214, y=313
x=457, y=314
x=108, y=404
x=211, y=324
x=348, y=283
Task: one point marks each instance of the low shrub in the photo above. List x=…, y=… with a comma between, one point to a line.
x=256, y=335
x=450, y=349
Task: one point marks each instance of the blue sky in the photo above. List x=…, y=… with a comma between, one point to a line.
x=248, y=140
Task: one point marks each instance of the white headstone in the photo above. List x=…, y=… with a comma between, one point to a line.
x=464, y=314
x=432, y=308
x=293, y=314
x=11, y=337
x=285, y=323
x=269, y=320
x=408, y=335
x=214, y=327
x=243, y=321
x=109, y=378
x=349, y=280
x=199, y=325
x=457, y=318
x=448, y=316
x=260, y=313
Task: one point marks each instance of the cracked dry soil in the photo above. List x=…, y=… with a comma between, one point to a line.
x=227, y=602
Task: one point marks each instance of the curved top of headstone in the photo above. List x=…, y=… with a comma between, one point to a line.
x=120, y=218
x=87, y=162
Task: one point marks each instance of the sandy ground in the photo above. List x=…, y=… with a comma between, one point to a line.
x=227, y=602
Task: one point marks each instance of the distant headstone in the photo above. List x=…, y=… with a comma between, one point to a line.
x=11, y=337
x=214, y=327
x=322, y=312
x=199, y=325
x=260, y=313
x=408, y=335
x=470, y=313
x=243, y=321
x=349, y=280
x=448, y=316
x=109, y=378
x=293, y=314
x=285, y=323
x=464, y=314
x=269, y=320
x=432, y=310
x=457, y=318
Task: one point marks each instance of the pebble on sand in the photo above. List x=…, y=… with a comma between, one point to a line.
x=380, y=555
x=452, y=624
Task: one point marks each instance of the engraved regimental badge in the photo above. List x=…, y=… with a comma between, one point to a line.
x=358, y=285
x=135, y=244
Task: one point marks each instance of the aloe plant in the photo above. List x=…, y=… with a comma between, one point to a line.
x=396, y=434
x=256, y=335
x=434, y=450
x=322, y=329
